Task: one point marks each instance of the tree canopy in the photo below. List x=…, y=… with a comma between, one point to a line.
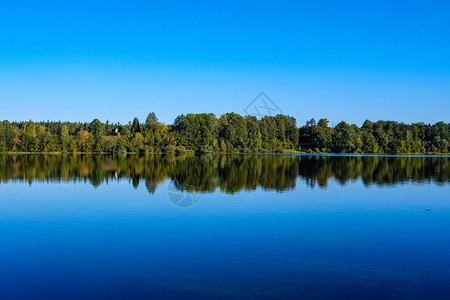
x=229, y=133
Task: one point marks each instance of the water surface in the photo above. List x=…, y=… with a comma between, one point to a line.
x=226, y=227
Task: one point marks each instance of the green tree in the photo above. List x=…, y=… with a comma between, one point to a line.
x=323, y=135
x=64, y=138
x=97, y=129
x=234, y=130
x=253, y=135
x=136, y=127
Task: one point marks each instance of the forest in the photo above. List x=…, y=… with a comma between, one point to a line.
x=230, y=133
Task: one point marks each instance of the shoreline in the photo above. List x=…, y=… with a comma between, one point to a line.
x=233, y=153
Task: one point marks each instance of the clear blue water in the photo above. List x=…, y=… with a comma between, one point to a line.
x=64, y=237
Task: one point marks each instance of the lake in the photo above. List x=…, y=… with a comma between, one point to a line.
x=224, y=227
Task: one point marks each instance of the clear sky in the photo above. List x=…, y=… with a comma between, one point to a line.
x=115, y=60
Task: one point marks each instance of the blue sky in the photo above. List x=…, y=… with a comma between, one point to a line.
x=115, y=60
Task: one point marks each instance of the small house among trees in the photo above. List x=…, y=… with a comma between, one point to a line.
x=116, y=130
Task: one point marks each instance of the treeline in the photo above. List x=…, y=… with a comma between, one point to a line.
x=229, y=173
x=231, y=133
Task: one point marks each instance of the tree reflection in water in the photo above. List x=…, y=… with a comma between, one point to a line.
x=229, y=173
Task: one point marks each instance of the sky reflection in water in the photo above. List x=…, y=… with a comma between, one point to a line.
x=262, y=227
